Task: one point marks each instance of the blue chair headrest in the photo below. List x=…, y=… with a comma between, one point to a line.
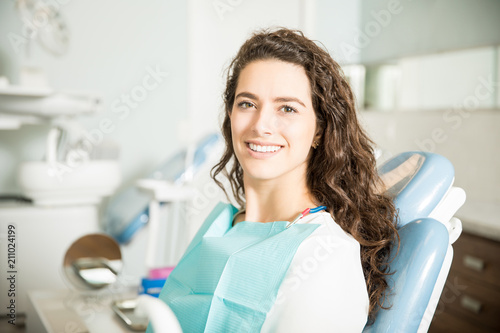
x=417, y=181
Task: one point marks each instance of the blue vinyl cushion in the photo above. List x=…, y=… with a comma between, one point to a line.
x=424, y=243
x=418, y=181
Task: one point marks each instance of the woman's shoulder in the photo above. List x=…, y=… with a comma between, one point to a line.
x=330, y=229
x=331, y=248
x=325, y=284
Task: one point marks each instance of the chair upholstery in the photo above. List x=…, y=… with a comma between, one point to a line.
x=420, y=184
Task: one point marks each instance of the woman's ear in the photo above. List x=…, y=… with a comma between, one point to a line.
x=316, y=139
x=315, y=143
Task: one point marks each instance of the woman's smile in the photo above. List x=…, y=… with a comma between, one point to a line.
x=261, y=150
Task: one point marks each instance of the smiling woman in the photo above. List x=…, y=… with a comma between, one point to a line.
x=338, y=172
x=273, y=124
x=293, y=143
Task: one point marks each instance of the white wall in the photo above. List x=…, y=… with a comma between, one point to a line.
x=427, y=26
x=438, y=81
x=337, y=27
x=112, y=45
x=216, y=29
x=435, y=81
x=469, y=138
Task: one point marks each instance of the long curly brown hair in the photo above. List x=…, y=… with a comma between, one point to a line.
x=341, y=172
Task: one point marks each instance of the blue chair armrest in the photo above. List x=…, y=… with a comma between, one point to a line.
x=424, y=243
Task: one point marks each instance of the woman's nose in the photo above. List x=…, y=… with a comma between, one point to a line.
x=265, y=122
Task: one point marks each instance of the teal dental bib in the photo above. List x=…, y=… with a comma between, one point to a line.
x=228, y=279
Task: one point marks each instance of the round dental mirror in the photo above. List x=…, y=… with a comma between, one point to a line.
x=93, y=262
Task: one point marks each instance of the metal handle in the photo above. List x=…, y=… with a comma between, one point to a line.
x=470, y=304
x=474, y=263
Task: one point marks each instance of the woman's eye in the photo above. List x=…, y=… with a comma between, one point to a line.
x=245, y=105
x=288, y=109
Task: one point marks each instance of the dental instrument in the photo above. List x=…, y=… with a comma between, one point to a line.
x=304, y=213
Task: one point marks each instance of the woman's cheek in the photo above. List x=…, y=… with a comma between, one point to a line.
x=300, y=134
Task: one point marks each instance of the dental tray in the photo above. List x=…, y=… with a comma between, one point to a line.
x=125, y=309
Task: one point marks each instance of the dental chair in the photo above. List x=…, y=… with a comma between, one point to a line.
x=421, y=185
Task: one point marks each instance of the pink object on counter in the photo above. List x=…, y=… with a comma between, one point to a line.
x=160, y=273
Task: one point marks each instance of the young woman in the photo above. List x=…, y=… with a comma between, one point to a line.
x=293, y=142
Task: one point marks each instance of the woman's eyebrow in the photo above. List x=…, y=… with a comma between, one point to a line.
x=283, y=99
x=247, y=95
x=288, y=99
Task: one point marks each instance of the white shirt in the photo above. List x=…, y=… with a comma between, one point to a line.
x=324, y=289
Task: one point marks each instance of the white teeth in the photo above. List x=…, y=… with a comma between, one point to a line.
x=264, y=149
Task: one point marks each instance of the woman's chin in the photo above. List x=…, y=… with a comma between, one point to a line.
x=262, y=174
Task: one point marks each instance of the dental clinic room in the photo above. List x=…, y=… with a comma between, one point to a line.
x=249, y=166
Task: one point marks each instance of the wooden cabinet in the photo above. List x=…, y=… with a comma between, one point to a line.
x=470, y=301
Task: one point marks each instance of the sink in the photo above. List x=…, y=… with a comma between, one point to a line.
x=55, y=184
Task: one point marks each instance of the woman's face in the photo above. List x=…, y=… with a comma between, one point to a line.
x=273, y=121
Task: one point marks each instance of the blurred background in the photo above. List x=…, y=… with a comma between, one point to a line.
x=139, y=83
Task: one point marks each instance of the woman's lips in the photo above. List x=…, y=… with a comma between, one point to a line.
x=262, y=150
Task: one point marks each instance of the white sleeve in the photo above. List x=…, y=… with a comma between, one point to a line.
x=324, y=289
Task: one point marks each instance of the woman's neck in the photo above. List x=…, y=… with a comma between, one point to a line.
x=275, y=200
